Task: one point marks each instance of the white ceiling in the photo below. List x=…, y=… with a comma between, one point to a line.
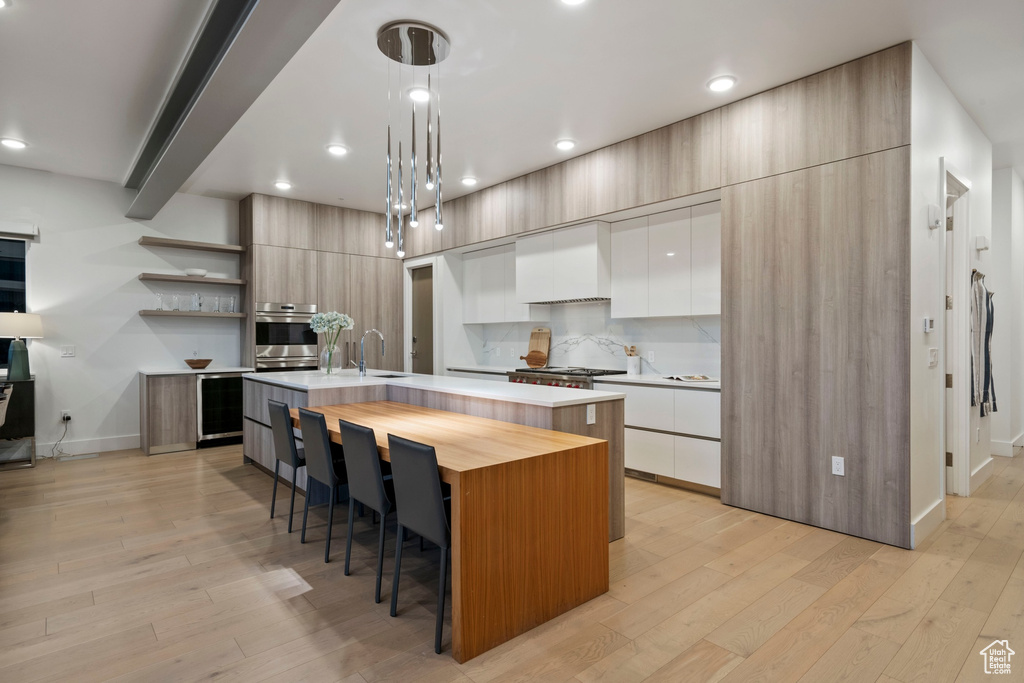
x=82, y=82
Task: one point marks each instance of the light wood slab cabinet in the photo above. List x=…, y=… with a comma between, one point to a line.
x=281, y=274
x=348, y=231
x=281, y=222
x=167, y=406
x=815, y=353
x=369, y=289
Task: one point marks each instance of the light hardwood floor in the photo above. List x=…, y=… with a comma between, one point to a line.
x=168, y=568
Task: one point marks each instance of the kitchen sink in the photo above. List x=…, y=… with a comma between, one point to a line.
x=388, y=376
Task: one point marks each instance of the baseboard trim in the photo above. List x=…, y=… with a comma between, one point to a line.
x=927, y=522
x=101, y=445
x=1019, y=440
x=981, y=474
x=1003, y=449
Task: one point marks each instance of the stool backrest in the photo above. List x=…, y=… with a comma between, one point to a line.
x=418, y=496
x=362, y=463
x=317, y=444
x=284, y=435
x=5, y=400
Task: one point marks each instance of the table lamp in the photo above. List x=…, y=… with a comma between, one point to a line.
x=19, y=326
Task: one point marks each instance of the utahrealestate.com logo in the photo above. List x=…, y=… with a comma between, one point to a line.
x=997, y=657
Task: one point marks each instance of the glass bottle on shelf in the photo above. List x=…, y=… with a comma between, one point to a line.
x=175, y=303
x=159, y=301
x=196, y=302
x=216, y=305
x=231, y=304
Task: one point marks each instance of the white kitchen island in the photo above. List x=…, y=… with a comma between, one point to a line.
x=555, y=408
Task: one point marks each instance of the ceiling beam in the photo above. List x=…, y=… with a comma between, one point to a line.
x=242, y=46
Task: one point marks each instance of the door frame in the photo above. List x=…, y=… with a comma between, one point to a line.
x=434, y=262
x=960, y=337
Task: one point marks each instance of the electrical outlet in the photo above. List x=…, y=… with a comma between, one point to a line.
x=591, y=414
x=65, y=416
x=497, y=352
x=67, y=351
x=650, y=356
x=838, y=466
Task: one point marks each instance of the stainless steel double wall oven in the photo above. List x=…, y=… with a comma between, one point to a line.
x=284, y=340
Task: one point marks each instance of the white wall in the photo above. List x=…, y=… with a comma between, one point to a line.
x=1007, y=281
x=82, y=278
x=940, y=127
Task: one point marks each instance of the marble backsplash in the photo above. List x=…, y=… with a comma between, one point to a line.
x=586, y=335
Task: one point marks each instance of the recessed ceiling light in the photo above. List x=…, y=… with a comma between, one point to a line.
x=337, y=150
x=565, y=145
x=671, y=253
x=469, y=180
x=574, y=2
x=721, y=83
x=5, y=3
x=12, y=143
x=419, y=94
x=283, y=185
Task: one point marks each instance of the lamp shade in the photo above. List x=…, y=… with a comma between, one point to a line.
x=24, y=325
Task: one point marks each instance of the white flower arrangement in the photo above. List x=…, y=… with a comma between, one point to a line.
x=330, y=324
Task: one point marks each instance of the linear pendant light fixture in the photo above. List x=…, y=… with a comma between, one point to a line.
x=415, y=44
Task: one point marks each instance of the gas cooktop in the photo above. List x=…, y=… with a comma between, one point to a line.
x=581, y=372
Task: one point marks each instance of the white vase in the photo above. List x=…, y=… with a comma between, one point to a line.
x=330, y=360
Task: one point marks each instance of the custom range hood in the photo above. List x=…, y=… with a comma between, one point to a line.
x=566, y=266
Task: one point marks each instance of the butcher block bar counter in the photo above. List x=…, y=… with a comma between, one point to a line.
x=529, y=515
x=549, y=408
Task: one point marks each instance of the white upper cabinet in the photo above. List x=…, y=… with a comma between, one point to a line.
x=572, y=263
x=489, y=289
x=706, y=259
x=629, y=269
x=582, y=261
x=483, y=296
x=534, y=261
x=668, y=263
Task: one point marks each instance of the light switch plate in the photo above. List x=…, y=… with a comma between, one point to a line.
x=591, y=414
x=67, y=351
x=650, y=357
x=933, y=357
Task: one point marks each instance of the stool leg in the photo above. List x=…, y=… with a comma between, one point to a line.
x=440, y=600
x=291, y=508
x=348, y=542
x=273, y=498
x=330, y=522
x=398, y=570
x=305, y=514
x=380, y=556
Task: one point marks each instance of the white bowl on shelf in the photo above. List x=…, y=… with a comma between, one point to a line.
x=195, y=272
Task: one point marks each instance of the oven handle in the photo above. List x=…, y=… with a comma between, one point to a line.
x=303, y=318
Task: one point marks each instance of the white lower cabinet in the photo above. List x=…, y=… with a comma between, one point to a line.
x=697, y=460
x=650, y=452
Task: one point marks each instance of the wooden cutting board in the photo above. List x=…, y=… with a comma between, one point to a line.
x=540, y=345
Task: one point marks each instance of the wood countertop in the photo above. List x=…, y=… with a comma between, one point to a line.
x=462, y=442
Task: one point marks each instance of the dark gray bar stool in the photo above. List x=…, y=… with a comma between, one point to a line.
x=319, y=467
x=284, y=451
x=420, y=506
x=366, y=485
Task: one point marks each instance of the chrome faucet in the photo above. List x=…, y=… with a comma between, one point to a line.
x=362, y=357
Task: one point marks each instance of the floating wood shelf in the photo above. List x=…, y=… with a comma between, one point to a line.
x=187, y=244
x=191, y=279
x=190, y=314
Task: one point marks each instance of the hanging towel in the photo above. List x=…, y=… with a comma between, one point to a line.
x=988, y=394
x=979, y=325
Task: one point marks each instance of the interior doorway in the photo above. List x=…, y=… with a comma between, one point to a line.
x=422, y=349
x=956, y=333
